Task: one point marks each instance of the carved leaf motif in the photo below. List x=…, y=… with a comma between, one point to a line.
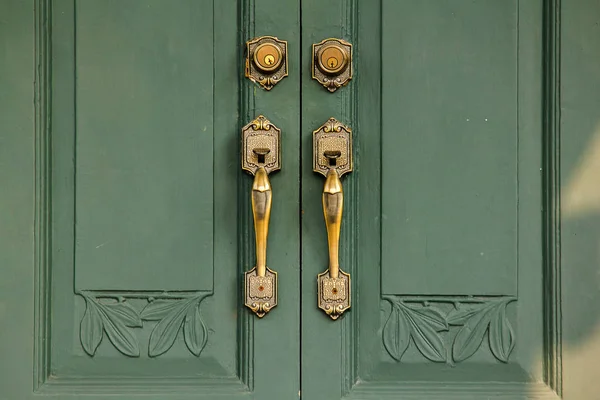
x=396, y=333
x=501, y=334
x=158, y=309
x=470, y=336
x=460, y=315
x=115, y=318
x=194, y=330
x=423, y=331
x=429, y=315
x=90, y=332
x=420, y=323
x=165, y=332
x=125, y=313
x=475, y=317
x=122, y=338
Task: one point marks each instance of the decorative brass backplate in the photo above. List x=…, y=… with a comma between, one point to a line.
x=332, y=63
x=259, y=136
x=332, y=137
x=334, y=293
x=260, y=291
x=261, y=155
x=266, y=61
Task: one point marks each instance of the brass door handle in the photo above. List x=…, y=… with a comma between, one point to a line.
x=332, y=157
x=333, y=206
x=261, y=155
x=262, y=197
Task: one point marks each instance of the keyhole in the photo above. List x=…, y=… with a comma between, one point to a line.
x=332, y=62
x=269, y=59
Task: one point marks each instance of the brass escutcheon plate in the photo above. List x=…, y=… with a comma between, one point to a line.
x=266, y=61
x=332, y=136
x=334, y=293
x=332, y=63
x=260, y=291
x=261, y=134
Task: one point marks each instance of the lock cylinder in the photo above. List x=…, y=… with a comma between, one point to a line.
x=332, y=59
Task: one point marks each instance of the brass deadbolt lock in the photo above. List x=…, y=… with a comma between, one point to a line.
x=266, y=61
x=332, y=59
x=267, y=57
x=332, y=63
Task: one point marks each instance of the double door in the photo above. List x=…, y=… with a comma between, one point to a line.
x=144, y=227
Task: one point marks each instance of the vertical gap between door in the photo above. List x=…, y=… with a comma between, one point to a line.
x=300, y=202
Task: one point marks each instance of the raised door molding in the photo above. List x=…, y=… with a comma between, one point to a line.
x=74, y=326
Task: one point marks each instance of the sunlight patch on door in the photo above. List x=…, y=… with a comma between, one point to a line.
x=582, y=194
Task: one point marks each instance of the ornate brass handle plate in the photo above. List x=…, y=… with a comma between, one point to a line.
x=266, y=61
x=261, y=155
x=332, y=157
x=332, y=63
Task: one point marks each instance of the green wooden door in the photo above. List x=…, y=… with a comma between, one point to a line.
x=471, y=128
x=129, y=282
x=443, y=230
x=126, y=222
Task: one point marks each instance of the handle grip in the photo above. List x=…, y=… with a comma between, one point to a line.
x=333, y=207
x=262, y=197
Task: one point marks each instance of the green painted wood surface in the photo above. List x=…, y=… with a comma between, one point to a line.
x=450, y=147
x=138, y=110
x=144, y=145
x=122, y=196
x=577, y=158
x=433, y=317
x=327, y=371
